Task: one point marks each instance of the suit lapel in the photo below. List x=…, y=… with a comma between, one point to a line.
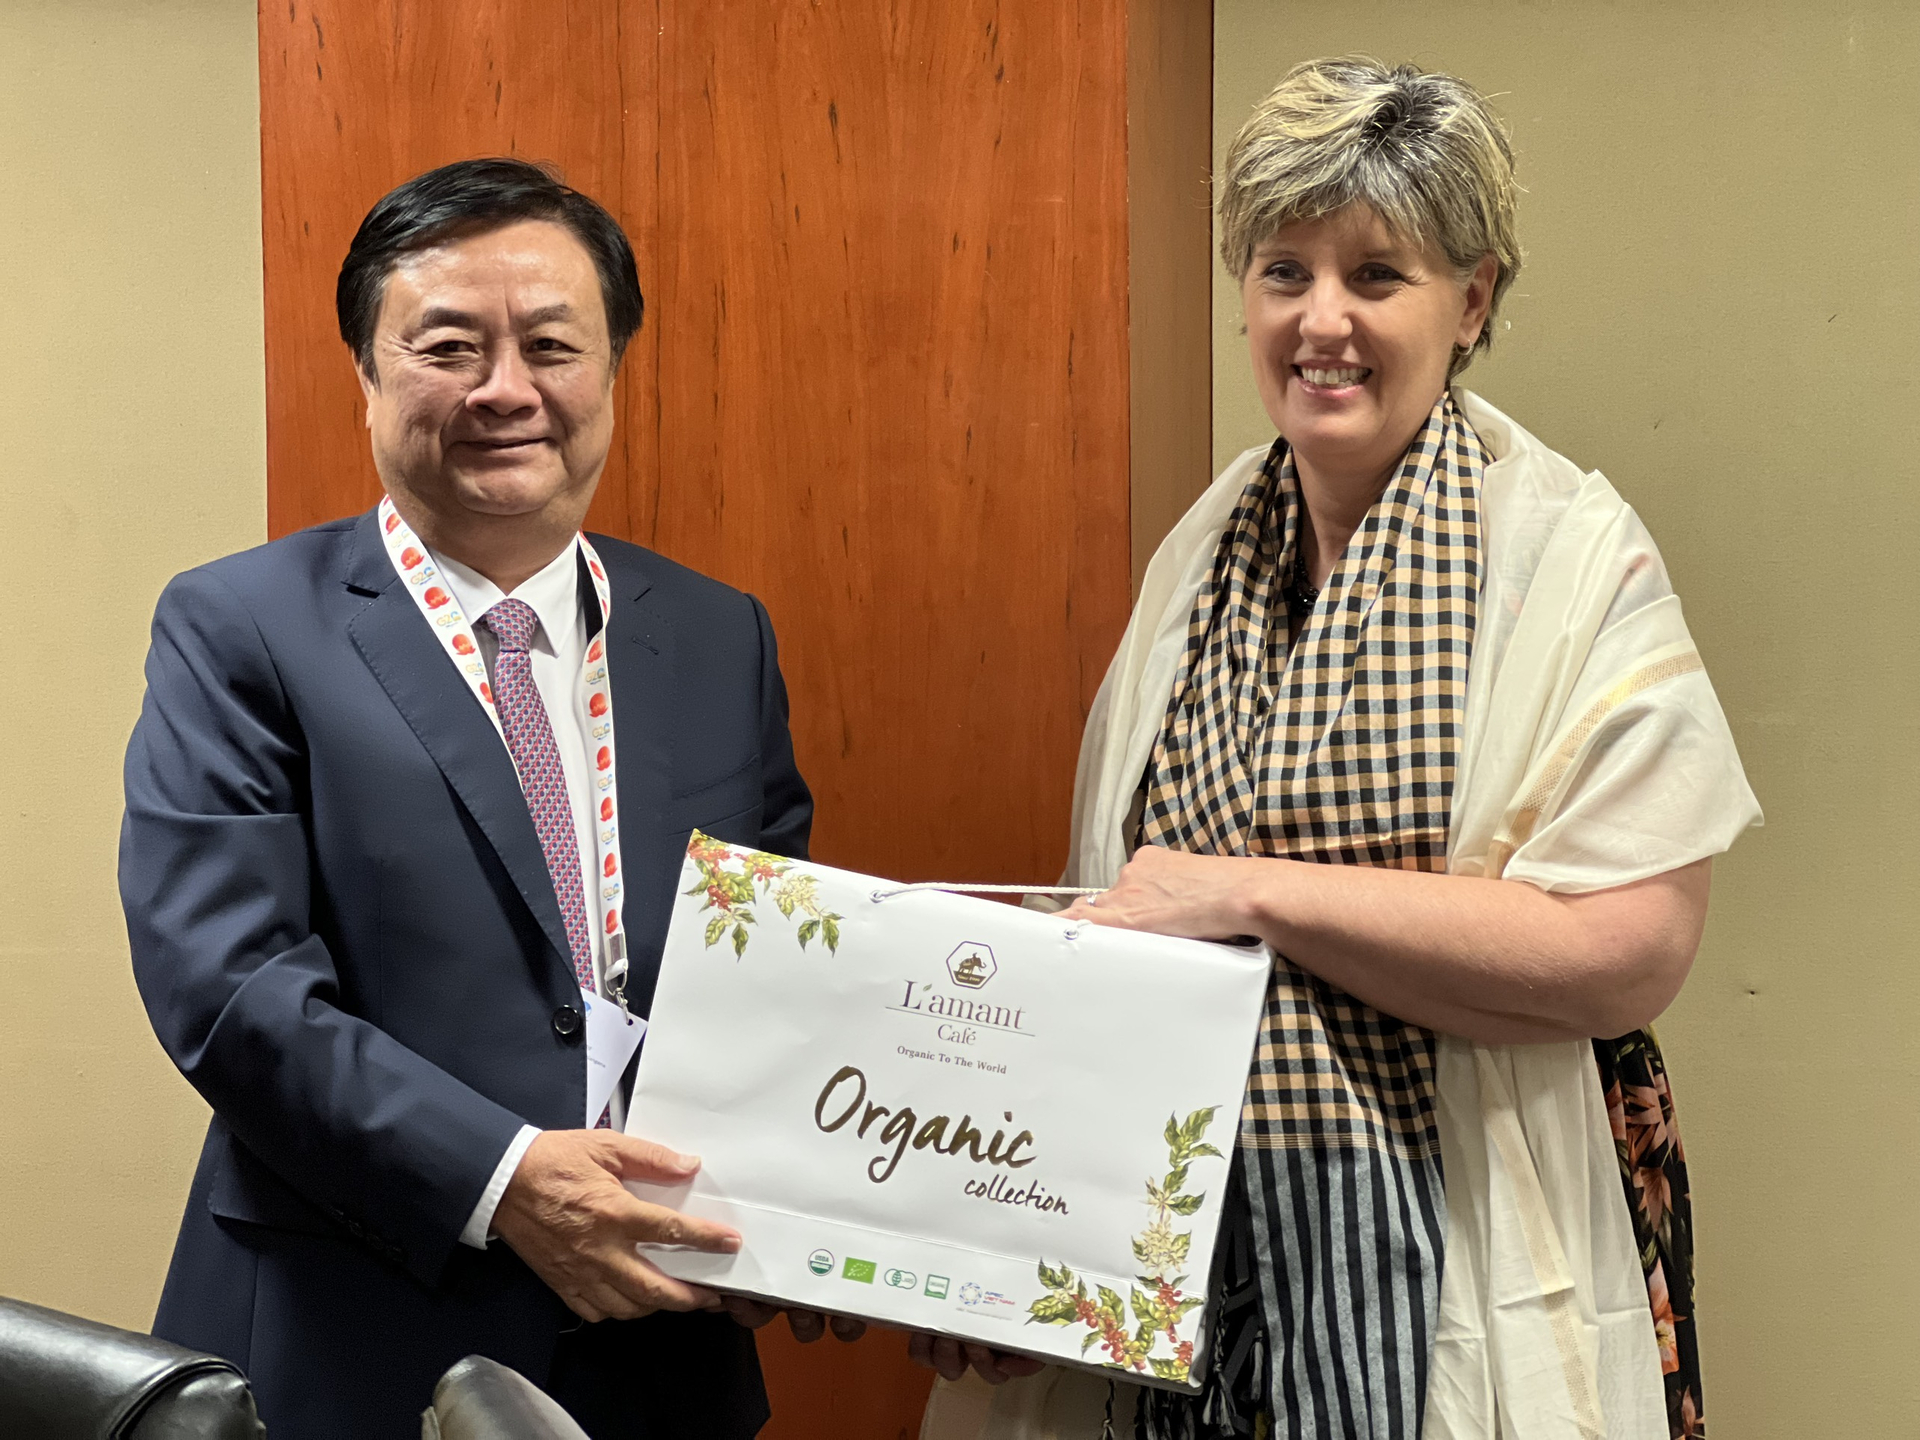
x=401, y=651
x=640, y=654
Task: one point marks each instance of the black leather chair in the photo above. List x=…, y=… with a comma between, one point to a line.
x=64, y=1378
x=481, y=1399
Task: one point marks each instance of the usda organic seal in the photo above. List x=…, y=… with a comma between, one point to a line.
x=820, y=1261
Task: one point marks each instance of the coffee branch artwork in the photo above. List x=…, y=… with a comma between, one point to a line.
x=1158, y=1304
x=734, y=881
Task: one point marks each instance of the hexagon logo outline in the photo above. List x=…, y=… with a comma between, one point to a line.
x=971, y=965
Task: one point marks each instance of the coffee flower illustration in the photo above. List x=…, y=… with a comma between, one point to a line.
x=734, y=881
x=1158, y=1304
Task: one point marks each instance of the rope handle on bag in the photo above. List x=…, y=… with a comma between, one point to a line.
x=1073, y=931
x=958, y=889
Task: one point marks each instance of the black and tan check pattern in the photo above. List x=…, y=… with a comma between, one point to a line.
x=1341, y=750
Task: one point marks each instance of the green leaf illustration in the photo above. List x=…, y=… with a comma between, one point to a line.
x=1055, y=1309
x=808, y=929
x=739, y=941
x=830, y=926
x=1147, y=1311
x=715, y=927
x=1158, y=1302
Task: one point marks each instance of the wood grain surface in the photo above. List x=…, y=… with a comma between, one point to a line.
x=882, y=381
x=1170, y=263
x=893, y=397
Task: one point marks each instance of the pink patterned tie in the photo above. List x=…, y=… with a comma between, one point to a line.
x=530, y=742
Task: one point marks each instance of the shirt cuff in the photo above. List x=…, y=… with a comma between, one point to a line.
x=481, y=1221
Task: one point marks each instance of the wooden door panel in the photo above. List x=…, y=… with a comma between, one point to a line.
x=892, y=397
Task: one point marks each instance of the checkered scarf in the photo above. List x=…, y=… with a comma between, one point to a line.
x=1341, y=749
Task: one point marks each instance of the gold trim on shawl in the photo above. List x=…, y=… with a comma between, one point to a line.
x=1538, y=795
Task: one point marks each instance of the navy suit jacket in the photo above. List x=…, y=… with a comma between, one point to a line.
x=347, y=939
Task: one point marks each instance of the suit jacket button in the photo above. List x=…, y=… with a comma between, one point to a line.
x=566, y=1023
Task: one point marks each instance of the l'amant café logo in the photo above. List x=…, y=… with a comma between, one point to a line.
x=972, y=965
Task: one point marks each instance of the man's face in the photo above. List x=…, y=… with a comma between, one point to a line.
x=493, y=384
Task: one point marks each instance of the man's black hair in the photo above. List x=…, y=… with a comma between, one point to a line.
x=475, y=195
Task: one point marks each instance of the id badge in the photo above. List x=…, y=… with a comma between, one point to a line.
x=612, y=1037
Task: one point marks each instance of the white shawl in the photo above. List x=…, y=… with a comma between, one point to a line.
x=1595, y=754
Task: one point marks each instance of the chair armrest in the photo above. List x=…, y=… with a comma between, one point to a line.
x=481, y=1399
x=63, y=1376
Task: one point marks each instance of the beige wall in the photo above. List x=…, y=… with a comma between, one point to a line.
x=135, y=446
x=1720, y=310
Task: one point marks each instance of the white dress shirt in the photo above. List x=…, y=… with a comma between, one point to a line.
x=557, y=656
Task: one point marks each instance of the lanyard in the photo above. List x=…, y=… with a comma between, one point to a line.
x=434, y=597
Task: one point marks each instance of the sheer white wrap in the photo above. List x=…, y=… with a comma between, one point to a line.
x=1595, y=754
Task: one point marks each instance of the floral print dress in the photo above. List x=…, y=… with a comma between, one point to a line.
x=1653, y=1168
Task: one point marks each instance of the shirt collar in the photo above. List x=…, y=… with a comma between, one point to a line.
x=553, y=592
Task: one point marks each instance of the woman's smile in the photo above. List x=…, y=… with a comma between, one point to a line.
x=1333, y=382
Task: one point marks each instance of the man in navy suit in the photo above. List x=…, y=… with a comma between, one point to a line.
x=385, y=849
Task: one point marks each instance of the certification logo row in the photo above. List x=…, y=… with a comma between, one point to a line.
x=865, y=1272
x=979, y=1299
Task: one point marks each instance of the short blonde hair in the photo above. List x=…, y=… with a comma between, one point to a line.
x=1424, y=151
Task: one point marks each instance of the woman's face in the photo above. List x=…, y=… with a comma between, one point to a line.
x=1351, y=330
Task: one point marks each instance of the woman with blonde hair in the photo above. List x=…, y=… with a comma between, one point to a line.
x=1409, y=696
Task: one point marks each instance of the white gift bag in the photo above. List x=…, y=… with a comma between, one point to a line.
x=945, y=1113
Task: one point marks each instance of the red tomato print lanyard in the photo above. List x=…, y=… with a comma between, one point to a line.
x=434, y=597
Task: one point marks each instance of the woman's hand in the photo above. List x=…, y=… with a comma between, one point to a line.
x=951, y=1358
x=1170, y=892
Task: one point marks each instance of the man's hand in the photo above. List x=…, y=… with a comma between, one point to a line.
x=807, y=1325
x=567, y=1215
x=951, y=1358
